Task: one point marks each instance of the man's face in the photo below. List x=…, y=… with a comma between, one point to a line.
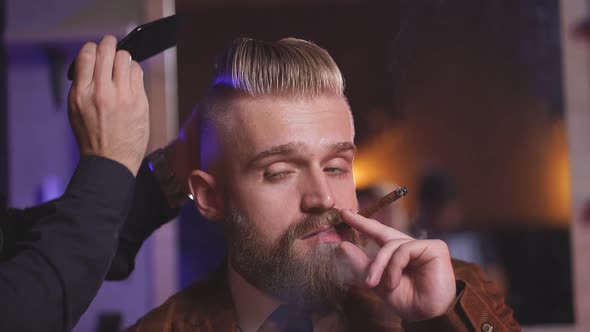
x=289, y=167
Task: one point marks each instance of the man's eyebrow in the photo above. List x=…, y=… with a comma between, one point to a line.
x=277, y=150
x=343, y=147
x=290, y=148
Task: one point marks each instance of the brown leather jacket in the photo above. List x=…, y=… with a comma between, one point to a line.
x=207, y=306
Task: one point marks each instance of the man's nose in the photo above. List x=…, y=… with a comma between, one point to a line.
x=317, y=195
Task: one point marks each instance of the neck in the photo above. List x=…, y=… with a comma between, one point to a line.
x=252, y=305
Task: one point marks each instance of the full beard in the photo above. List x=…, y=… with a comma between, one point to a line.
x=278, y=268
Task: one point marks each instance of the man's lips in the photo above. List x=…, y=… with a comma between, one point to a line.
x=317, y=231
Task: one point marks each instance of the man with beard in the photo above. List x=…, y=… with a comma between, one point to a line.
x=277, y=149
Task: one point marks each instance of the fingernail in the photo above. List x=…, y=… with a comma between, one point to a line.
x=130, y=59
x=368, y=280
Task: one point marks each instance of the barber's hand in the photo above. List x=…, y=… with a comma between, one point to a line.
x=108, y=106
x=414, y=277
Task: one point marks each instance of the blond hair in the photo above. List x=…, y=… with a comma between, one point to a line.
x=289, y=67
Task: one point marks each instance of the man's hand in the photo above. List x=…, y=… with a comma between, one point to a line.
x=414, y=277
x=108, y=106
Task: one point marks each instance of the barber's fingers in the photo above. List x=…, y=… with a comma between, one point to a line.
x=372, y=228
x=136, y=73
x=122, y=69
x=84, y=65
x=105, y=57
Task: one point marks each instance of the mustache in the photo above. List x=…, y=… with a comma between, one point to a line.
x=329, y=218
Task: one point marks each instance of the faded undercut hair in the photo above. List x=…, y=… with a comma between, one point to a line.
x=288, y=67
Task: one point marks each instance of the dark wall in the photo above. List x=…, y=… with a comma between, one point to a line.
x=539, y=271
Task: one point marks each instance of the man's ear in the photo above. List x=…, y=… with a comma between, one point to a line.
x=207, y=195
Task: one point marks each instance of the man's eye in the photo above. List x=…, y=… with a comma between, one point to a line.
x=275, y=176
x=335, y=170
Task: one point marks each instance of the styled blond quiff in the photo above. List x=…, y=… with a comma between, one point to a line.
x=290, y=66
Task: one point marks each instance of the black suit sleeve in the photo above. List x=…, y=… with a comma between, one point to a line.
x=52, y=275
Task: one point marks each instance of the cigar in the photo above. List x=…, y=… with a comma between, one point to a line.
x=381, y=203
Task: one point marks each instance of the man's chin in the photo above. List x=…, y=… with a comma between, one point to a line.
x=316, y=297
